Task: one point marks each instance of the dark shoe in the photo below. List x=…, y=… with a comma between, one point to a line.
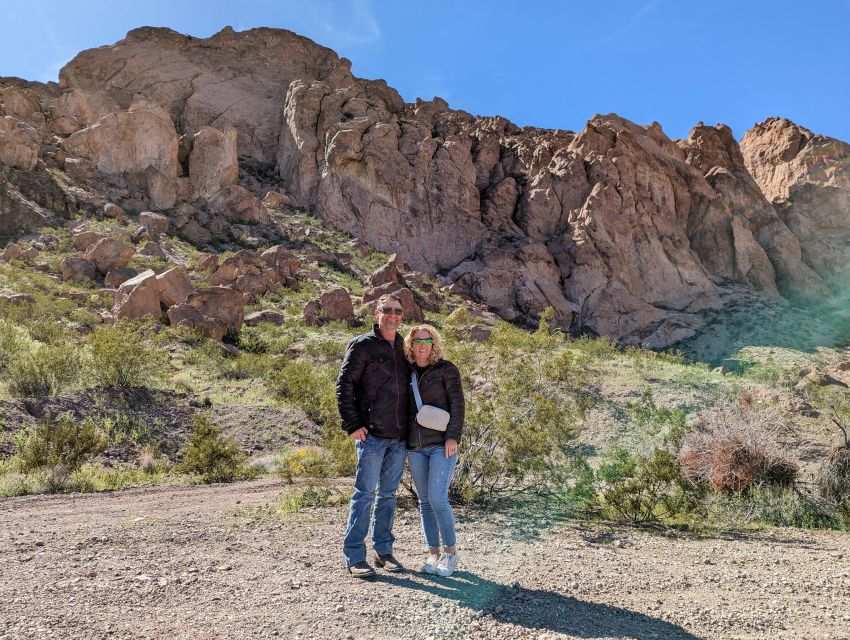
x=361, y=570
x=387, y=562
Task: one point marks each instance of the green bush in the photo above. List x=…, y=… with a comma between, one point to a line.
x=59, y=447
x=311, y=496
x=523, y=417
x=211, y=456
x=644, y=488
x=309, y=386
x=305, y=462
x=45, y=371
x=312, y=387
x=774, y=506
x=121, y=356
x=13, y=341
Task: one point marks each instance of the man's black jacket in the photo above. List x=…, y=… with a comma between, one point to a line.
x=373, y=386
x=439, y=386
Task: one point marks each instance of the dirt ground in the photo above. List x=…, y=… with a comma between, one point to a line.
x=218, y=562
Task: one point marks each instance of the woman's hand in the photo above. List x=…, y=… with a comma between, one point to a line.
x=451, y=447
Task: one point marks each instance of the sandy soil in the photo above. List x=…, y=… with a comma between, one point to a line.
x=219, y=562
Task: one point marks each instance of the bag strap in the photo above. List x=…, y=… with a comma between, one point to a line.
x=415, y=384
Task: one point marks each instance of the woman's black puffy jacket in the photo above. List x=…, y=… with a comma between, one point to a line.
x=439, y=386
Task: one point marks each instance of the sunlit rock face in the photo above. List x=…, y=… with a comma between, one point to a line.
x=622, y=231
x=807, y=178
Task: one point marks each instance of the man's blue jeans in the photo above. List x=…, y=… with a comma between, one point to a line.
x=432, y=474
x=380, y=463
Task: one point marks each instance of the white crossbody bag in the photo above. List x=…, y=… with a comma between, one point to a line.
x=429, y=416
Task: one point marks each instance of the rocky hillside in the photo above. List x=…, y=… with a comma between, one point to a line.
x=621, y=230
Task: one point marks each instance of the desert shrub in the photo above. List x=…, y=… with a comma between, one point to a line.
x=44, y=371
x=45, y=330
x=833, y=480
x=524, y=408
x=644, y=488
x=305, y=462
x=312, y=495
x=253, y=340
x=736, y=450
x=312, y=387
x=770, y=505
x=653, y=422
x=59, y=447
x=210, y=455
x=13, y=341
x=122, y=357
x=309, y=386
x=600, y=348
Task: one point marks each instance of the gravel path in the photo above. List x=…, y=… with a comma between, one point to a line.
x=215, y=562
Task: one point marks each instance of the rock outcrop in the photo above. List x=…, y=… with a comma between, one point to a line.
x=806, y=178
x=619, y=229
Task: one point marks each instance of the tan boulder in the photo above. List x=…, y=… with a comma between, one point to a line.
x=336, y=305
x=174, y=286
x=183, y=315
x=225, y=274
x=82, y=240
x=219, y=303
x=76, y=269
x=79, y=169
x=153, y=249
x=195, y=234
x=138, y=297
x=19, y=104
x=11, y=252
x=277, y=200
x=129, y=142
x=163, y=190
x=111, y=210
x=213, y=163
x=20, y=144
x=253, y=285
x=265, y=316
x=108, y=253
x=155, y=222
x=207, y=262
x=389, y=273
x=118, y=276
x=311, y=313
x=77, y=109
x=282, y=260
x=236, y=204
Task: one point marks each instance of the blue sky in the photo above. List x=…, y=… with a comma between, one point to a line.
x=547, y=64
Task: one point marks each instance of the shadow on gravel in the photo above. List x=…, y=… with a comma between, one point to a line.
x=543, y=610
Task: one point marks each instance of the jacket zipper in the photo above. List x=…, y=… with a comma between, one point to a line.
x=397, y=391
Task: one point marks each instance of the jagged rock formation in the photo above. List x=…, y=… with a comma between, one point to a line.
x=619, y=229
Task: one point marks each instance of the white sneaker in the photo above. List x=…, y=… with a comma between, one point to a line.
x=430, y=565
x=448, y=564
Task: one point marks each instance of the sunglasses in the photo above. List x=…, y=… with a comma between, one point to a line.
x=391, y=311
x=423, y=341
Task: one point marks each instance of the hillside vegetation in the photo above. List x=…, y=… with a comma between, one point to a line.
x=579, y=422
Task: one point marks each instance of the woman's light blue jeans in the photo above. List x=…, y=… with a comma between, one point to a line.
x=432, y=474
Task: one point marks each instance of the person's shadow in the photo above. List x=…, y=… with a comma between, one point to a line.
x=537, y=609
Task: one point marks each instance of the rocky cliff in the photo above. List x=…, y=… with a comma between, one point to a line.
x=621, y=230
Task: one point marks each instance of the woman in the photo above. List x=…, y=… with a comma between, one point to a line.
x=432, y=454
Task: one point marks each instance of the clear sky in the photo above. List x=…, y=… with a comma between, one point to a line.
x=547, y=64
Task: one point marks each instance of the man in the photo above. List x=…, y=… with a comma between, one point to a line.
x=371, y=392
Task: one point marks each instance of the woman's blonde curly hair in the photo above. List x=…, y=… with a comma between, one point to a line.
x=436, y=348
